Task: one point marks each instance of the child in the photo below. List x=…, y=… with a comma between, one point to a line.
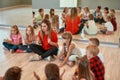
x=85, y=15
x=47, y=16
x=69, y=50
x=73, y=22
x=95, y=41
x=52, y=13
x=79, y=12
x=30, y=38
x=16, y=40
x=55, y=23
x=13, y=73
x=96, y=65
x=90, y=26
x=40, y=17
x=83, y=72
x=52, y=72
x=108, y=29
x=113, y=19
x=34, y=20
x=47, y=42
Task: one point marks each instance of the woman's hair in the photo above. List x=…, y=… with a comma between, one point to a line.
x=84, y=69
x=74, y=13
x=55, y=21
x=67, y=35
x=13, y=73
x=47, y=22
x=47, y=16
x=32, y=35
x=52, y=72
x=93, y=49
x=91, y=17
x=94, y=41
x=16, y=28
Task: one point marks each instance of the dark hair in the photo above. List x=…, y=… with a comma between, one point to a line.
x=33, y=12
x=40, y=10
x=107, y=9
x=91, y=17
x=52, y=72
x=99, y=7
x=52, y=14
x=13, y=73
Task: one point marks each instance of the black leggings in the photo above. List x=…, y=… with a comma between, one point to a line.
x=43, y=53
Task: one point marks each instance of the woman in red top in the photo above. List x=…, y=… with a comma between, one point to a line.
x=47, y=42
x=73, y=22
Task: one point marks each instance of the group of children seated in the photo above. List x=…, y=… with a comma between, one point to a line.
x=78, y=19
x=45, y=46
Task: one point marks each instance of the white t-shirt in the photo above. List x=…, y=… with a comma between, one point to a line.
x=109, y=26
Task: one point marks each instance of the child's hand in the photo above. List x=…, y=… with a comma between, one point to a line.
x=56, y=57
x=61, y=65
x=36, y=76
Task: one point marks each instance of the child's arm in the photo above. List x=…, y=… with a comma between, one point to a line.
x=71, y=47
x=61, y=53
x=36, y=76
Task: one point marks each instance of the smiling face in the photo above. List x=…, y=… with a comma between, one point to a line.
x=29, y=31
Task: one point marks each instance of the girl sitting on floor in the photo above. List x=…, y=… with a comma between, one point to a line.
x=69, y=50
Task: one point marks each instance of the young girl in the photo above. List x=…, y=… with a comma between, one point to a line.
x=52, y=13
x=73, y=22
x=52, y=72
x=90, y=27
x=113, y=19
x=83, y=72
x=48, y=40
x=47, y=16
x=30, y=38
x=79, y=12
x=108, y=29
x=13, y=73
x=69, y=50
x=55, y=23
x=16, y=40
x=85, y=15
x=105, y=13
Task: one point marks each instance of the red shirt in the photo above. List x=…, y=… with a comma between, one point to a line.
x=114, y=23
x=97, y=68
x=72, y=25
x=45, y=44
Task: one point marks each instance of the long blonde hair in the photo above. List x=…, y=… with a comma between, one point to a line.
x=55, y=21
x=47, y=22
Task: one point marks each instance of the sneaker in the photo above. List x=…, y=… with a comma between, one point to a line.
x=34, y=58
x=50, y=58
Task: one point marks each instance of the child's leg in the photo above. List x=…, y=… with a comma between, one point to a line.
x=51, y=52
x=7, y=45
x=23, y=47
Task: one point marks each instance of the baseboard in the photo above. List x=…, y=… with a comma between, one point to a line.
x=12, y=7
